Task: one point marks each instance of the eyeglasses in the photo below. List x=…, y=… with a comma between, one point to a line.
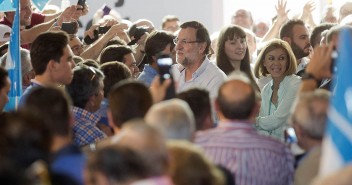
x=94, y=73
x=176, y=41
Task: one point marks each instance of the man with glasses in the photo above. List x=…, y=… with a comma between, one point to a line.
x=196, y=70
x=51, y=58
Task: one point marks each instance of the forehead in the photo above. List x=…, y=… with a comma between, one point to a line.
x=186, y=33
x=242, y=12
x=276, y=51
x=25, y=2
x=298, y=30
x=75, y=41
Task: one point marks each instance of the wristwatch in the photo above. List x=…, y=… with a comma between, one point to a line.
x=310, y=76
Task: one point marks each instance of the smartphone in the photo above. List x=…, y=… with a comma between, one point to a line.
x=106, y=10
x=69, y=27
x=103, y=29
x=82, y=3
x=291, y=135
x=164, y=63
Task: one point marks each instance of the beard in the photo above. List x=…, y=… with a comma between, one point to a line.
x=299, y=52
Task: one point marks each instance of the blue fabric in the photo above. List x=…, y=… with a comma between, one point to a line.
x=84, y=128
x=27, y=92
x=103, y=112
x=69, y=161
x=13, y=62
x=147, y=75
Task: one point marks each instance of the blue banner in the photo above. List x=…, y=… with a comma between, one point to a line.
x=13, y=62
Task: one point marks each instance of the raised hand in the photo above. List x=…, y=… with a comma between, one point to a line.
x=281, y=11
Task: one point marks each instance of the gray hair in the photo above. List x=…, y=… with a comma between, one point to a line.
x=174, y=118
x=26, y=65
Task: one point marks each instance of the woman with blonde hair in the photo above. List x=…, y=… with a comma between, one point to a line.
x=276, y=59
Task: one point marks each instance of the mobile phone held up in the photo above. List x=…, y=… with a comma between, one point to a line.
x=291, y=135
x=164, y=63
x=69, y=27
x=82, y=3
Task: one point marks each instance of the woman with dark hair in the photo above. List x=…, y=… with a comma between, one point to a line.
x=232, y=52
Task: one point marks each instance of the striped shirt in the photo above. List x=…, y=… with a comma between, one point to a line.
x=252, y=158
x=84, y=128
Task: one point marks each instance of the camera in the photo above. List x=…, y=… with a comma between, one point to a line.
x=137, y=32
x=82, y=3
x=69, y=27
x=103, y=29
x=164, y=63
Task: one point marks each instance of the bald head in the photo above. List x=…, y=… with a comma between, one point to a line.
x=236, y=99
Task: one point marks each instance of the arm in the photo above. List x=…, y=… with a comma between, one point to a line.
x=93, y=51
x=49, y=17
x=281, y=19
x=28, y=36
x=319, y=67
x=307, y=16
x=274, y=121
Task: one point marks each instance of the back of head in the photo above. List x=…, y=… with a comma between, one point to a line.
x=315, y=36
x=310, y=113
x=118, y=164
x=114, y=72
x=189, y=165
x=114, y=53
x=24, y=138
x=236, y=98
x=146, y=141
x=345, y=10
x=52, y=105
x=156, y=42
x=174, y=118
x=128, y=100
x=85, y=83
x=47, y=46
x=202, y=33
x=199, y=101
x=287, y=29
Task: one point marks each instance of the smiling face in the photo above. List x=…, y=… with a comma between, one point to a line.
x=276, y=62
x=235, y=49
x=26, y=12
x=190, y=51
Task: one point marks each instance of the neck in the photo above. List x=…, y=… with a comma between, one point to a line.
x=45, y=79
x=59, y=142
x=191, y=68
x=236, y=64
x=277, y=81
x=311, y=143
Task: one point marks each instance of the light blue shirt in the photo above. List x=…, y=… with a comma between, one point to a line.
x=272, y=119
x=147, y=75
x=208, y=76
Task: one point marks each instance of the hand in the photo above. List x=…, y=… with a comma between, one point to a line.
x=308, y=8
x=66, y=15
x=281, y=11
x=90, y=32
x=158, y=90
x=117, y=29
x=319, y=65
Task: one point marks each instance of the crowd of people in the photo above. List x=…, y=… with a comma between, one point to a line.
x=131, y=104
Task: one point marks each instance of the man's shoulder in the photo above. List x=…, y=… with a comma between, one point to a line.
x=28, y=90
x=4, y=21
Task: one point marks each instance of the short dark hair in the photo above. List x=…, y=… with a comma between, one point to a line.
x=156, y=42
x=315, y=36
x=129, y=99
x=202, y=33
x=241, y=109
x=114, y=72
x=287, y=29
x=90, y=62
x=52, y=105
x=116, y=41
x=47, y=46
x=85, y=83
x=3, y=75
x=114, y=53
x=199, y=101
x=118, y=163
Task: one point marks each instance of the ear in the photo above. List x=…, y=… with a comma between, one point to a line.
x=110, y=119
x=287, y=39
x=202, y=47
x=52, y=66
